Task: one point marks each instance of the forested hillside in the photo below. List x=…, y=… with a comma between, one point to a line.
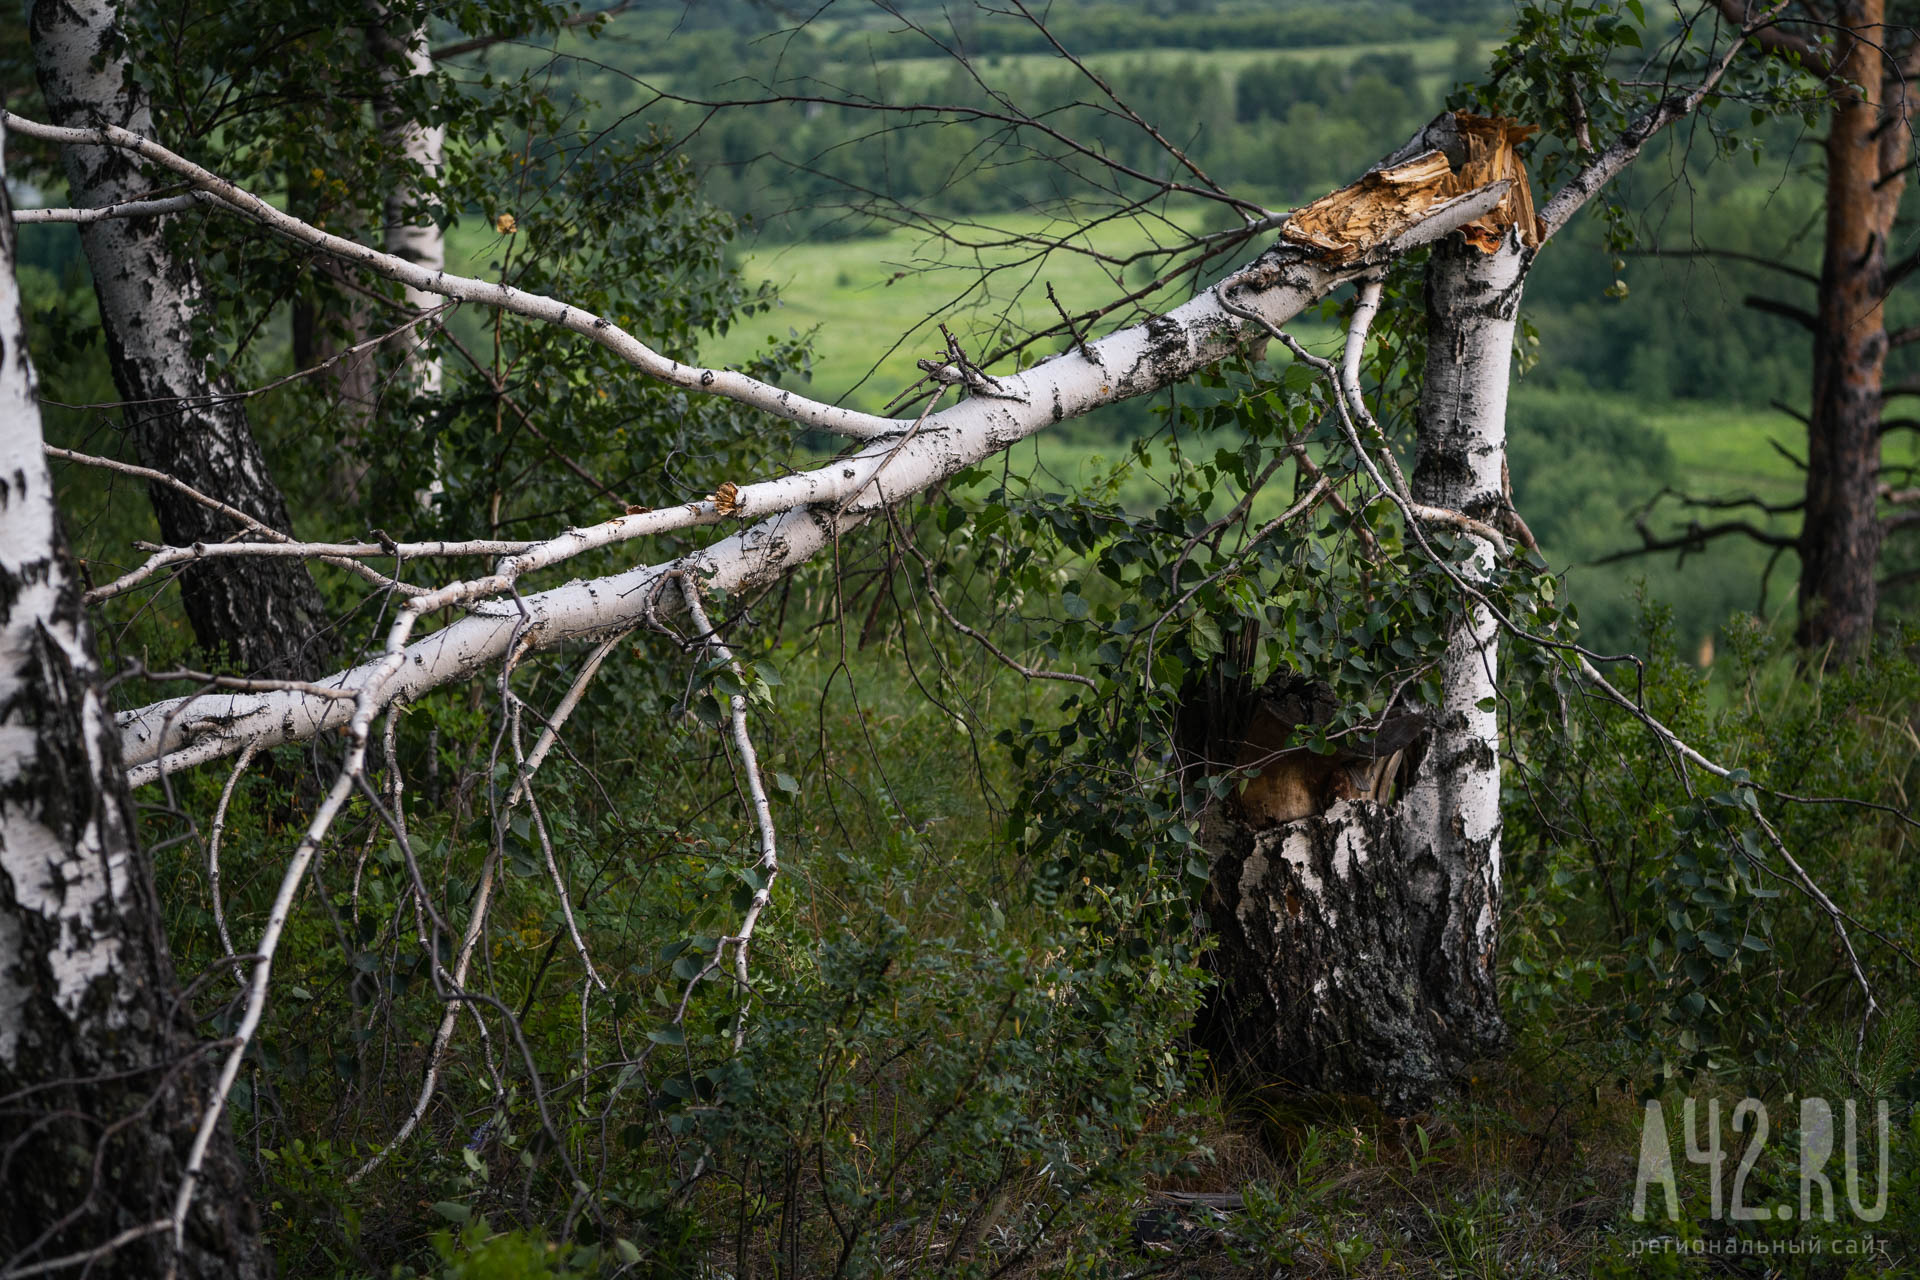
x=1272, y=102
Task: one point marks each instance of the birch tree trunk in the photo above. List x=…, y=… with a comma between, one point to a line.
x=409, y=236
x=101, y=1084
x=1841, y=532
x=1357, y=943
x=267, y=617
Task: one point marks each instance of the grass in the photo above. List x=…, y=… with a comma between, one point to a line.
x=872, y=304
x=1433, y=58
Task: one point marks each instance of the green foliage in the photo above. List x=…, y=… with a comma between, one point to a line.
x=1201, y=601
x=1653, y=890
x=616, y=229
x=963, y=1046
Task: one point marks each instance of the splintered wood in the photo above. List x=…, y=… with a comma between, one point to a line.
x=1387, y=202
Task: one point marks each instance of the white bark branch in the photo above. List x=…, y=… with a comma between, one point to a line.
x=327, y=552
x=799, y=514
x=415, y=276
x=1623, y=150
x=768, y=866
x=252, y=525
x=125, y=209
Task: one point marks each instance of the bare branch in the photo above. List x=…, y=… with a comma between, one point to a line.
x=1014, y=664
x=1762, y=29
x=126, y=209
x=483, y=896
x=264, y=530
x=1695, y=537
x=1785, y=310
x=1732, y=255
x=1621, y=152
x=476, y=44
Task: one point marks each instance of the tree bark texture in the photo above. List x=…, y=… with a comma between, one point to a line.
x=1358, y=942
x=328, y=321
x=409, y=236
x=101, y=1081
x=1867, y=138
x=264, y=617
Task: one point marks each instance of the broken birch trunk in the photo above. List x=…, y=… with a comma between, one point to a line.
x=1358, y=909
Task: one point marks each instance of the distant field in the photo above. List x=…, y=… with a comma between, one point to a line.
x=1723, y=448
x=611, y=65
x=863, y=299
x=1728, y=449
x=1433, y=58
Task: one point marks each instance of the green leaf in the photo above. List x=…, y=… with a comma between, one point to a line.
x=453, y=1211
x=629, y=1252
x=1206, y=636
x=670, y=1035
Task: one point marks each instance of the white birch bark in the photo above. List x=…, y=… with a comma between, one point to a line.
x=62, y=858
x=1357, y=943
x=408, y=236
x=92, y=1035
x=1473, y=303
x=182, y=421
x=799, y=514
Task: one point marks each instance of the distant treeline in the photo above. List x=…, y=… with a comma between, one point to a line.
x=1280, y=131
x=1276, y=128
x=675, y=37
x=1103, y=28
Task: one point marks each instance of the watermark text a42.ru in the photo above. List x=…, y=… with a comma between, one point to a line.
x=1828, y=1153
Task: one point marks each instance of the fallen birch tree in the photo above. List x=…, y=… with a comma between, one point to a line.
x=1366, y=928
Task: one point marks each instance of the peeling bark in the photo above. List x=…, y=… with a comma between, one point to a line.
x=101, y=1085
x=1457, y=153
x=266, y=618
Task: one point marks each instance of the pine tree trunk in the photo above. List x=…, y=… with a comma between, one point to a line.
x=264, y=616
x=1841, y=532
x=1357, y=943
x=101, y=1088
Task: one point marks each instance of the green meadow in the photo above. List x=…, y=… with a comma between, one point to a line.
x=873, y=306
x=1434, y=59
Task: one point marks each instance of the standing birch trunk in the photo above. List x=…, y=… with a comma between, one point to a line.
x=409, y=236
x=1358, y=941
x=266, y=618
x=102, y=1082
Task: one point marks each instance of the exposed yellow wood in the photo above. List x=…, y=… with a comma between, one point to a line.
x=1386, y=202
